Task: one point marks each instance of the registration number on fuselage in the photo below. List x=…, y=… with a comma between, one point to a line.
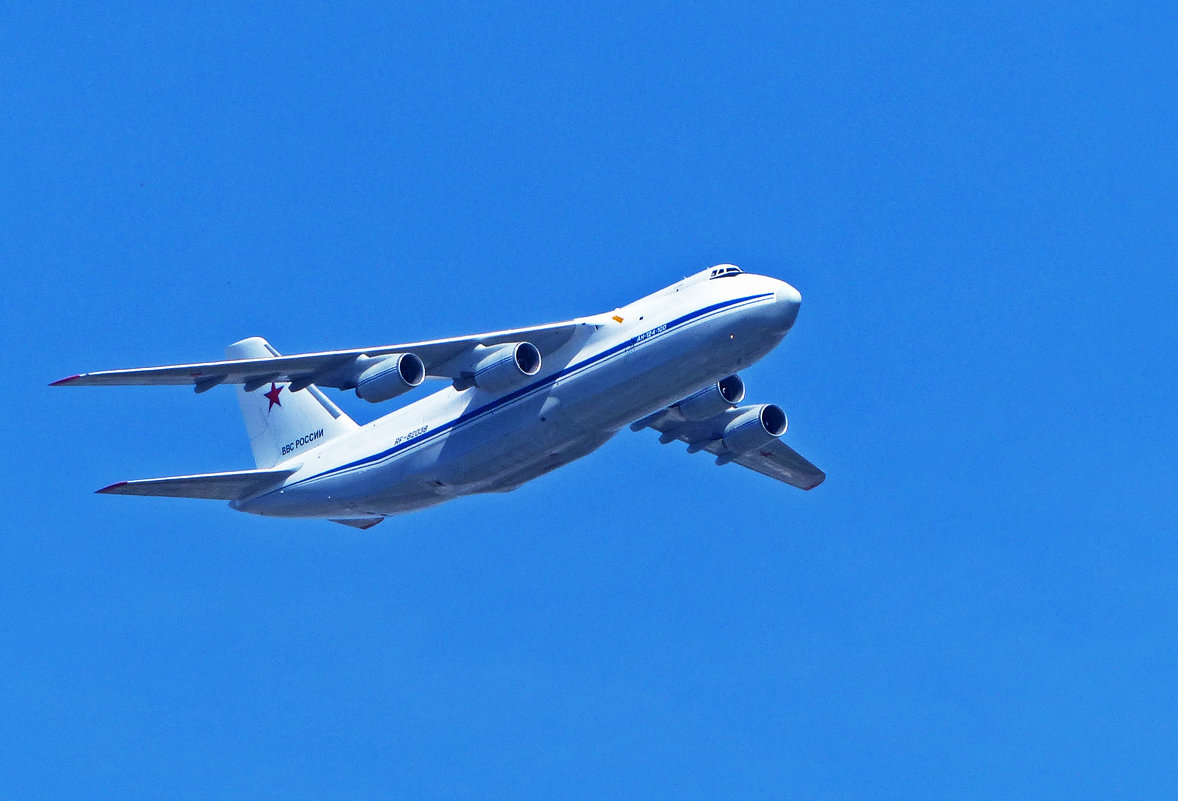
x=417, y=432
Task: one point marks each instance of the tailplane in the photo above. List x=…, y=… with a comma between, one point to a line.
x=231, y=486
x=282, y=424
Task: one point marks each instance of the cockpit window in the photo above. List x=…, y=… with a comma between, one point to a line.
x=723, y=272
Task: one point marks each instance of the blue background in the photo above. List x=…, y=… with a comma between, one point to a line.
x=978, y=205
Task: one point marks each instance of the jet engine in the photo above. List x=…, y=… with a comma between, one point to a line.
x=712, y=400
x=501, y=367
x=389, y=377
x=754, y=427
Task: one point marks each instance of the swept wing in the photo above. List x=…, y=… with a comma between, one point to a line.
x=442, y=358
x=774, y=459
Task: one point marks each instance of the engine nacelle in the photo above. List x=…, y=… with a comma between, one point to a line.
x=713, y=399
x=754, y=427
x=502, y=367
x=389, y=377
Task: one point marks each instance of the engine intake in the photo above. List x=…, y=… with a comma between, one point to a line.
x=754, y=427
x=713, y=399
x=389, y=377
x=504, y=366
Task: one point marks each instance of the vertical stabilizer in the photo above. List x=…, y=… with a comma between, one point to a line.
x=282, y=424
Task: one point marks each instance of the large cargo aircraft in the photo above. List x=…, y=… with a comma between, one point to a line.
x=521, y=403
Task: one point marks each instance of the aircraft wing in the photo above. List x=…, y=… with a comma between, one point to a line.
x=780, y=461
x=231, y=486
x=442, y=358
x=775, y=460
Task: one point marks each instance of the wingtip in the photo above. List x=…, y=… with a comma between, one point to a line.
x=821, y=478
x=111, y=488
x=62, y=381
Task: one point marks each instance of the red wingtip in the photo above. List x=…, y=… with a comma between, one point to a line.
x=61, y=381
x=112, y=487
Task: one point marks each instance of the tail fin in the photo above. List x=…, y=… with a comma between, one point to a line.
x=282, y=424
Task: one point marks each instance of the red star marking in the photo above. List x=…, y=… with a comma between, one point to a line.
x=272, y=396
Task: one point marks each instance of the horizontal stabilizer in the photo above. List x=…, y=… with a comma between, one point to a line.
x=231, y=486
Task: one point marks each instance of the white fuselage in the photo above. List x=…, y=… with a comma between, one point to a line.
x=666, y=346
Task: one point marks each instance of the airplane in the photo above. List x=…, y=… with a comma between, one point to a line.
x=521, y=403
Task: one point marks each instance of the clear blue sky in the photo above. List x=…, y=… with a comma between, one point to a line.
x=978, y=204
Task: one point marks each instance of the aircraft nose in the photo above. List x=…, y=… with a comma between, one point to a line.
x=788, y=302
